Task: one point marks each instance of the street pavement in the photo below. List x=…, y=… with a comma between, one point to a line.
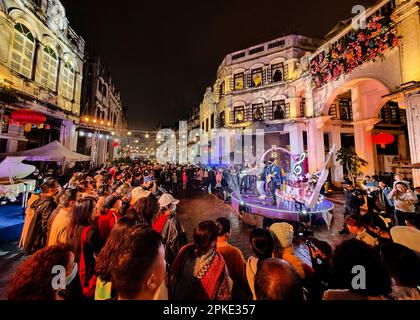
x=192, y=210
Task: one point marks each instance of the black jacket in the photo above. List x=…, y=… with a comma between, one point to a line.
x=38, y=229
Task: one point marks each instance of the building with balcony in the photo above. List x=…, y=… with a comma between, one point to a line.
x=260, y=88
x=41, y=64
x=309, y=94
x=103, y=116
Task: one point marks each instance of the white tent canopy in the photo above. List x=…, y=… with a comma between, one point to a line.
x=54, y=152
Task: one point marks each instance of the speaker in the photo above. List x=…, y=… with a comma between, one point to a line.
x=253, y=220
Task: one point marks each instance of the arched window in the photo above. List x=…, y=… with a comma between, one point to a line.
x=23, y=50
x=49, y=68
x=67, y=81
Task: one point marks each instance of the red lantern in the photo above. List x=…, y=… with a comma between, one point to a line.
x=116, y=144
x=28, y=117
x=383, y=139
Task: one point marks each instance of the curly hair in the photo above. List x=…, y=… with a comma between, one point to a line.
x=32, y=279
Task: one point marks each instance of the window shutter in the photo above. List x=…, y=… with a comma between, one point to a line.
x=269, y=74
x=264, y=74
x=249, y=80
x=286, y=71
x=232, y=83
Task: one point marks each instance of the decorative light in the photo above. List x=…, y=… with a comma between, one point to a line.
x=383, y=139
x=102, y=122
x=147, y=135
x=137, y=141
x=86, y=119
x=81, y=134
x=107, y=137
x=109, y=123
x=129, y=133
x=94, y=120
x=90, y=135
x=101, y=136
x=113, y=133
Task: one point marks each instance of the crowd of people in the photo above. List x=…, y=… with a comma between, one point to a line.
x=114, y=230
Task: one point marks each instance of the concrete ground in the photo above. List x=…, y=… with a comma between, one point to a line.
x=191, y=211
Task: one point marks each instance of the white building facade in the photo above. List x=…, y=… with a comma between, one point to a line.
x=41, y=64
x=309, y=94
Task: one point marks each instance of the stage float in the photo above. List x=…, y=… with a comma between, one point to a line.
x=298, y=196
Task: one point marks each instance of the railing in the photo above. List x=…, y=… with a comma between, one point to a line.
x=268, y=114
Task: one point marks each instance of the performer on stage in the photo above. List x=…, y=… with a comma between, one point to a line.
x=261, y=178
x=274, y=178
x=245, y=181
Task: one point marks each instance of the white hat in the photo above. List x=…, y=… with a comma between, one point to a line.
x=138, y=193
x=166, y=199
x=284, y=233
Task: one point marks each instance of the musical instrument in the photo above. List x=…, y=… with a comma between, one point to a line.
x=270, y=177
x=323, y=175
x=12, y=172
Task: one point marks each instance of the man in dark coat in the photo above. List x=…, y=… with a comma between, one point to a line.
x=43, y=208
x=353, y=200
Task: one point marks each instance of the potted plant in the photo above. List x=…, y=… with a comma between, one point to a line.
x=351, y=162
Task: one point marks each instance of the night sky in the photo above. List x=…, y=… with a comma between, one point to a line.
x=163, y=54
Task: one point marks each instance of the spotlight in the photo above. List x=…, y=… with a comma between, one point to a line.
x=243, y=207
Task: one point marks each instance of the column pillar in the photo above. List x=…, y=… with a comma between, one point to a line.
x=296, y=138
x=316, y=149
x=15, y=134
x=413, y=121
x=364, y=145
x=68, y=134
x=336, y=168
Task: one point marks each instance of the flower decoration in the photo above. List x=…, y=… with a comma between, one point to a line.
x=357, y=48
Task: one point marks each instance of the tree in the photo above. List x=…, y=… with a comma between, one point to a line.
x=351, y=162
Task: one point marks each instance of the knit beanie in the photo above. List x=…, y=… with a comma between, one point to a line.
x=284, y=234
